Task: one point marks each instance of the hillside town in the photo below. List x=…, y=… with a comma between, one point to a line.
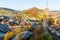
x=21, y=26
x=31, y=24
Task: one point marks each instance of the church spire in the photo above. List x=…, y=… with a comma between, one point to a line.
x=46, y=9
x=47, y=4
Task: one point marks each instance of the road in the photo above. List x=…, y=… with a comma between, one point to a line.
x=50, y=31
x=53, y=34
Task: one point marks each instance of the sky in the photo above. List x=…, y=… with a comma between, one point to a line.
x=26, y=4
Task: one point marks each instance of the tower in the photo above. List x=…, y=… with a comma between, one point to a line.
x=46, y=10
x=47, y=4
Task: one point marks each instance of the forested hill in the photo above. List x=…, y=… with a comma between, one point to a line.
x=5, y=10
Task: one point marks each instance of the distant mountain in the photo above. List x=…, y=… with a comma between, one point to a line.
x=40, y=10
x=35, y=12
x=56, y=12
x=32, y=13
x=7, y=9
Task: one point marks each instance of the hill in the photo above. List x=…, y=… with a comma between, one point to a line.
x=7, y=11
x=35, y=12
x=32, y=13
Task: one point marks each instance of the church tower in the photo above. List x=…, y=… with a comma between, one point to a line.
x=46, y=10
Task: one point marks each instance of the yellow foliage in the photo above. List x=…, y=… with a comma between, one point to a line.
x=12, y=33
x=27, y=27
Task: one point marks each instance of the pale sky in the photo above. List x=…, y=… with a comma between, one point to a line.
x=26, y=4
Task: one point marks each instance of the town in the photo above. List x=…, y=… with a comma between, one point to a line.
x=30, y=24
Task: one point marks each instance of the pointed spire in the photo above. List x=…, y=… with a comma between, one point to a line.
x=46, y=3
x=46, y=9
